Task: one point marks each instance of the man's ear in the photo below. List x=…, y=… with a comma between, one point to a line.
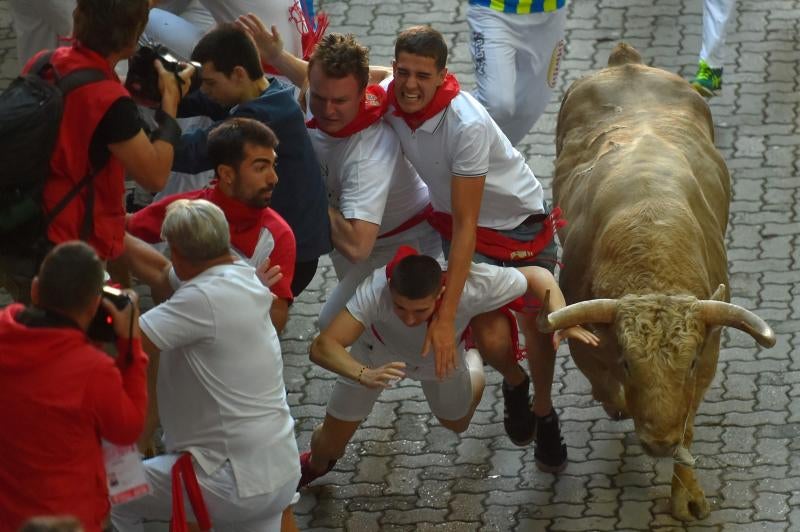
x=442, y=75
x=239, y=74
x=441, y=291
x=226, y=174
x=394, y=67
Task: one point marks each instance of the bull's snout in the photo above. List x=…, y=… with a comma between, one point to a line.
x=660, y=447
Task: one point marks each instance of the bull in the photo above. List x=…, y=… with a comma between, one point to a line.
x=646, y=196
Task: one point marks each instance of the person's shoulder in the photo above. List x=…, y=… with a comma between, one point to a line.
x=466, y=110
x=274, y=222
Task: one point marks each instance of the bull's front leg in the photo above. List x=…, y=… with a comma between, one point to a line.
x=688, y=501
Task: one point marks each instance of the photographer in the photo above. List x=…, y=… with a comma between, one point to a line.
x=61, y=394
x=101, y=132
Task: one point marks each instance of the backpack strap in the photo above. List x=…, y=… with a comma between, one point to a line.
x=78, y=78
x=39, y=66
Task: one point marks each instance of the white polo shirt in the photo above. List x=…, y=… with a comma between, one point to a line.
x=368, y=178
x=487, y=288
x=221, y=394
x=463, y=140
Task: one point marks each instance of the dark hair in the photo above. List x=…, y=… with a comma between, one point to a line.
x=108, y=26
x=424, y=41
x=70, y=276
x=416, y=277
x=340, y=56
x=226, y=141
x=228, y=46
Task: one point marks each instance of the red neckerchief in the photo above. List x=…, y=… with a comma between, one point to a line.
x=371, y=111
x=448, y=90
x=244, y=221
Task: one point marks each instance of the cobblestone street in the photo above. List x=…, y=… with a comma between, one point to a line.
x=404, y=471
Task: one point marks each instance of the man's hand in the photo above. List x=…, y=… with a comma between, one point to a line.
x=384, y=376
x=173, y=86
x=441, y=336
x=125, y=321
x=268, y=276
x=576, y=333
x=268, y=41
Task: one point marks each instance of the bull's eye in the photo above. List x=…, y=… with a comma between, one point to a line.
x=694, y=363
x=625, y=366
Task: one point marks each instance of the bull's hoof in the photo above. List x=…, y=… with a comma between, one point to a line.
x=689, y=505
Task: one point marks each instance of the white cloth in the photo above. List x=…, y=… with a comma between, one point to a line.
x=229, y=511
x=516, y=59
x=487, y=288
x=221, y=394
x=449, y=398
x=715, y=17
x=38, y=25
x=180, y=29
x=368, y=178
x=463, y=140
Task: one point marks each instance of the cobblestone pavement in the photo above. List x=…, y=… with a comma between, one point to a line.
x=405, y=472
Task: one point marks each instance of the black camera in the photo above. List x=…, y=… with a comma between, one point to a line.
x=102, y=327
x=142, y=78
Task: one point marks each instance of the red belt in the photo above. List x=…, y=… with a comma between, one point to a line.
x=421, y=216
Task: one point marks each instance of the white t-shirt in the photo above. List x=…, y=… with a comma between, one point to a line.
x=487, y=288
x=368, y=178
x=463, y=140
x=221, y=394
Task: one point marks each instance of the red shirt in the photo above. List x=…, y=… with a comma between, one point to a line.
x=83, y=109
x=247, y=227
x=60, y=395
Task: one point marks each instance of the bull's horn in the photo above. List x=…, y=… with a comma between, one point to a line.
x=592, y=311
x=720, y=313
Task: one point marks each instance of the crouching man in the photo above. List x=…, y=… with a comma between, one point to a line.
x=220, y=390
x=394, y=305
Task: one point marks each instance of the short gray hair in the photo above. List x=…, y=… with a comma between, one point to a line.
x=197, y=229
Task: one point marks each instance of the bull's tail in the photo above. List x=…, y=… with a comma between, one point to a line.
x=623, y=54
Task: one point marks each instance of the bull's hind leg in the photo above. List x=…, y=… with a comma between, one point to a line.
x=605, y=388
x=688, y=501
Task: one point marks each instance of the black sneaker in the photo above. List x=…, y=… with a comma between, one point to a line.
x=518, y=419
x=551, y=451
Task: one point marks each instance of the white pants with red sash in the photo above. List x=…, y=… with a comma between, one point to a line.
x=228, y=511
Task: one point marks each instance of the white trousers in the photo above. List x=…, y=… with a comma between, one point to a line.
x=516, y=60
x=715, y=17
x=39, y=24
x=182, y=23
x=228, y=511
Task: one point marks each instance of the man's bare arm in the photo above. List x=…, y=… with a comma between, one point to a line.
x=351, y=237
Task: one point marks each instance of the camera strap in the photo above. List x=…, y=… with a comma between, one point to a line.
x=37, y=317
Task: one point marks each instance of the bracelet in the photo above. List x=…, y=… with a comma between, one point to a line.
x=168, y=129
x=360, y=373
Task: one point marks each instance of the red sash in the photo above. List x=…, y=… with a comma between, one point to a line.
x=497, y=246
x=372, y=108
x=421, y=216
x=448, y=90
x=183, y=470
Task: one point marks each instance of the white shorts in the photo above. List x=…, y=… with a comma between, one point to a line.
x=449, y=399
x=229, y=512
x=516, y=59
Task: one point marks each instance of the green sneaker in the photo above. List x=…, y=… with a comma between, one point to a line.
x=708, y=80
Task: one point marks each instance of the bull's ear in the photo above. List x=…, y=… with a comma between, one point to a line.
x=720, y=294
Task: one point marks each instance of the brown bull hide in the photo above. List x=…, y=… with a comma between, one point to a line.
x=646, y=197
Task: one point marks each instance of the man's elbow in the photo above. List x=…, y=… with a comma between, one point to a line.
x=358, y=252
x=315, y=349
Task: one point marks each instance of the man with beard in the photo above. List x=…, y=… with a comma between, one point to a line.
x=242, y=152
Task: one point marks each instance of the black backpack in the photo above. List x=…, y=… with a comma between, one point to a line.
x=30, y=117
